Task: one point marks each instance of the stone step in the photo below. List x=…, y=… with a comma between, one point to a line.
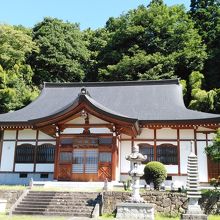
x=59, y=197
x=77, y=203
x=55, y=201
x=55, y=209
x=73, y=214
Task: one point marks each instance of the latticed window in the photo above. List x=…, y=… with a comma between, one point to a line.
x=24, y=153
x=147, y=149
x=45, y=153
x=167, y=154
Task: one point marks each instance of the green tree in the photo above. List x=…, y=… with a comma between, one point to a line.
x=63, y=52
x=213, y=150
x=202, y=100
x=206, y=15
x=151, y=42
x=96, y=41
x=16, y=89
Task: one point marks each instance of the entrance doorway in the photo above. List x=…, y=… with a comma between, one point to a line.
x=84, y=163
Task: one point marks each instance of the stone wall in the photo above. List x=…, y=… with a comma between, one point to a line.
x=166, y=202
x=210, y=202
x=11, y=196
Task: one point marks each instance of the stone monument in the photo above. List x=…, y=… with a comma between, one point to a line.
x=194, y=211
x=135, y=207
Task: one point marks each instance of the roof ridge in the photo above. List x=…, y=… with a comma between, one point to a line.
x=112, y=83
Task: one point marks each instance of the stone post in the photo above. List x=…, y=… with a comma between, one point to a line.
x=193, y=189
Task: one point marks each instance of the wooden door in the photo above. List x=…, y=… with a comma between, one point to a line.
x=65, y=165
x=65, y=172
x=213, y=169
x=85, y=165
x=105, y=166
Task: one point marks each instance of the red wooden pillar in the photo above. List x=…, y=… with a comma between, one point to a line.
x=114, y=157
x=56, y=158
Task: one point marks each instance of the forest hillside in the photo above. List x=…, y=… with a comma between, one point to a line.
x=151, y=42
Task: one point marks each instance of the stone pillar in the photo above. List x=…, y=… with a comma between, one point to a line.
x=193, y=189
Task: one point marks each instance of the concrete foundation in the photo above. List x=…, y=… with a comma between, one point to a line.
x=135, y=211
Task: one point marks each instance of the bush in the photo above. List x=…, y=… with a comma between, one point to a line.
x=155, y=172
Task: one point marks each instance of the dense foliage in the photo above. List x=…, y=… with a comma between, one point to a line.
x=213, y=150
x=156, y=173
x=151, y=42
x=63, y=52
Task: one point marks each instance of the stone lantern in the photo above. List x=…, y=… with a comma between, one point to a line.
x=136, y=172
x=135, y=207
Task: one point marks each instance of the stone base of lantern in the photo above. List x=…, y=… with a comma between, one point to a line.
x=130, y=210
x=194, y=212
x=194, y=217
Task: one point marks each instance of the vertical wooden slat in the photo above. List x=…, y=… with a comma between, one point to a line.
x=195, y=141
x=1, y=144
x=16, y=143
x=178, y=150
x=114, y=157
x=35, y=150
x=155, y=144
x=56, y=159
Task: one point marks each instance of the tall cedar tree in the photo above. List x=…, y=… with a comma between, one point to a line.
x=206, y=15
x=63, y=52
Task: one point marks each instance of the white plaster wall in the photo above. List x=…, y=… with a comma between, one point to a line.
x=202, y=161
x=184, y=153
x=172, y=169
x=42, y=135
x=78, y=120
x=7, y=161
x=9, y=134
x=26, y=134
x=95, y=120
x=46, y=142
x=100, y=130
x=73, y=131
x=125, y=150
x=186, y=134
x=166, y=142
x=179, y=179
x=24, y=167
x=166, y=133
x=211, y=136
x=92, y=120
x=204, y=129
x=26, y=142
x=123, y=136
x=143, y=142
x=200, y=136
x=146, y=133
x=40, y=167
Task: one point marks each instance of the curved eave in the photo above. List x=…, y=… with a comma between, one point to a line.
x=90, y=102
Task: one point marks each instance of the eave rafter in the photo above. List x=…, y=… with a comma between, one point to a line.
x=117, y=123
x=180, y=125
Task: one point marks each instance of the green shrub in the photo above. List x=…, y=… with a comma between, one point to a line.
x=155, y=172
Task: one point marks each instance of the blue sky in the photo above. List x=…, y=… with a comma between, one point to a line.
x=89, y=13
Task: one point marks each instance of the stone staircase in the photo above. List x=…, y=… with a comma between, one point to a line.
x=79, y=204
